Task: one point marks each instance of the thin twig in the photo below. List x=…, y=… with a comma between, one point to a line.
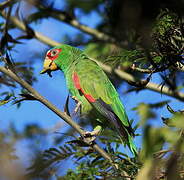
x=161, y=153
x=5, y=4
x=179, y=67
x=62, y=115
x=142, y=70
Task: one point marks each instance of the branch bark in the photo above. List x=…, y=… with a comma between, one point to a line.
x=62, y=115
x=179, y=67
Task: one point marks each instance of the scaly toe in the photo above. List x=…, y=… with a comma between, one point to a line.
x=89, y=137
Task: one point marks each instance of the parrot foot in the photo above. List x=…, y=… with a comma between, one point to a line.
x=75, y=98
x=79, y=103
x=89, y=137
x=77, y=107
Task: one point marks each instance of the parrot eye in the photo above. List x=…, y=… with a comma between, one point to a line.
x=54, y=52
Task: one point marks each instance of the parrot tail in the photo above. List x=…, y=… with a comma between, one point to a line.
x=131, y=145
x=126, y=133
x=127, y=139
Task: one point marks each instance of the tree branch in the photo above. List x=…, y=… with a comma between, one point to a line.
x=179, y=67
x=125, y=76
x=86, y=29
x=152, y=86
x=62, y=115
x=141, y=70
x=7, y=3
x=38, y=35
x=62, y=16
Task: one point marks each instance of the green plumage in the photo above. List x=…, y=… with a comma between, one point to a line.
x=94, y=82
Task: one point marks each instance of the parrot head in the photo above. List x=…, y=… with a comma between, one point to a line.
x=56, y=58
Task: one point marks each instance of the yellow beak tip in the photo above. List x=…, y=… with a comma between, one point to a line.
x=43, y=71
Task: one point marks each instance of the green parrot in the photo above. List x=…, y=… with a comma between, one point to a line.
x=91, y=88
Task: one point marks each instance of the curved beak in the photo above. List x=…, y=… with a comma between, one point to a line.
x=48, y=66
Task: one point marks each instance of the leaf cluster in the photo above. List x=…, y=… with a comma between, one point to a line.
x=90, y=165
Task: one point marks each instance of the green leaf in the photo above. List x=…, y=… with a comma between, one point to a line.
x=96, y=50
x=144, y=112
x=176, y=121
x=152, y=142
x=3, y=102
x=157, y=59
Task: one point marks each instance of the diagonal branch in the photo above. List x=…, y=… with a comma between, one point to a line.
x=62, y=115
x=123, y=75
x=38, y=35
x=64, y=17
x=86, y=29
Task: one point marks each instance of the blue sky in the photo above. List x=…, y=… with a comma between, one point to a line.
x=54, y=89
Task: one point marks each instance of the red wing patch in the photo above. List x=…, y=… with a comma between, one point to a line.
x=77, y=85
x=76, y=81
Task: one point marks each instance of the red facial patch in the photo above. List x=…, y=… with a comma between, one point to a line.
x=77, y=85
x=53, y=54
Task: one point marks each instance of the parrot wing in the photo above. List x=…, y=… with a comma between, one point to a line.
x=93, y=83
